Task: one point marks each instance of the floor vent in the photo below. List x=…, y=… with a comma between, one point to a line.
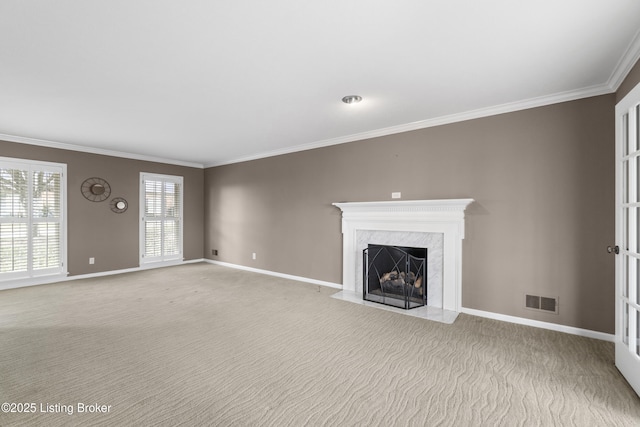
x=535, y=302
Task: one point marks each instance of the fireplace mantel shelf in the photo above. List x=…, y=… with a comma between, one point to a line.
x=444, y=216
x=448, y=205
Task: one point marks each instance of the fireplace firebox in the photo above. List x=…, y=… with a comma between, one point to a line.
x=395, y=275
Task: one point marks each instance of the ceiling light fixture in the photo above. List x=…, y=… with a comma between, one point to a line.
x=351, y=99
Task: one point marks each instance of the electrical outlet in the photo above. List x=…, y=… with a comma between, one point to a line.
x=214, y=252
x=92, y=260
x=253, y=255
x=396, y=195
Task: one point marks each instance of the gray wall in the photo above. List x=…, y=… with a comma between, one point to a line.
x=543, y=180
x=632, y=79
x=95, y=231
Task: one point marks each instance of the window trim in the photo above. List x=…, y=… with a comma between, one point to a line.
x=163, y=259
x=32, y=277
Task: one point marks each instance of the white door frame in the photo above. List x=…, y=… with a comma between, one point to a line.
x=627, y=342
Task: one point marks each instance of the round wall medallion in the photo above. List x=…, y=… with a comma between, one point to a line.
x=118, y=204
x=96, y=189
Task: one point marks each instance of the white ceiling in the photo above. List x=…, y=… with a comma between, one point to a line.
x=206, y=82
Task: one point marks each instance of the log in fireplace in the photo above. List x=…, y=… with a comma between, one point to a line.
x=395, y=275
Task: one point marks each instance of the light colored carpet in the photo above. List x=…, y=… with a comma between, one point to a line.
x=206, y=345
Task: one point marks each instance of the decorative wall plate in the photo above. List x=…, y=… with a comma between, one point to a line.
x=118, y=204
x=96, y=189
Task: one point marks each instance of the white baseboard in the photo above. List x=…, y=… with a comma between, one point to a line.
x=57, y=279
x=487, y=314
x=276, y=274
x=539, y=324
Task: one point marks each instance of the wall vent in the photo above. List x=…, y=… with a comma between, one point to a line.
x=540, y=303
x=532, y=301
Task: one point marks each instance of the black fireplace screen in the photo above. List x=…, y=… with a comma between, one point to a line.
x=395, y=275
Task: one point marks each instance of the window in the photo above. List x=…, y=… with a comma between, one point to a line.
x=32, y=219
x=161, y=229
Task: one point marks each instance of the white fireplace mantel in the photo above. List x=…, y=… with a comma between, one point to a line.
x=421, y=216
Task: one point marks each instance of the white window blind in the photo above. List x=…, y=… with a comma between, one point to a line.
x=161, y=230
x=32, y=238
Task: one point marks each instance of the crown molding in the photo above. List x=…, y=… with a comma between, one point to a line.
x=92, y=150
x=437, y=121
x=626, y=63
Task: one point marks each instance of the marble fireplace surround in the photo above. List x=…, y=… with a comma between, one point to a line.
x=411, y=239
x=437, y=225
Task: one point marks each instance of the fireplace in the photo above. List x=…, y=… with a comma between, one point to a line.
x=395, y=276
x=434, y=224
